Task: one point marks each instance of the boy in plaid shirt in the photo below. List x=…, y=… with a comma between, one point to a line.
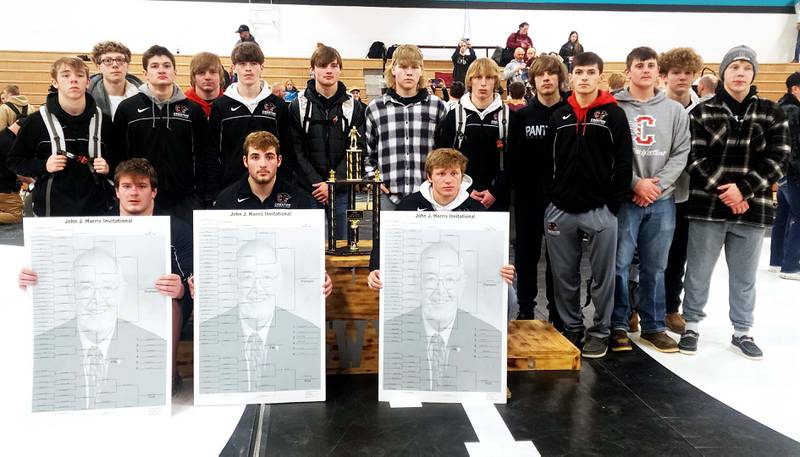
x=739, y=143
x=400, y=127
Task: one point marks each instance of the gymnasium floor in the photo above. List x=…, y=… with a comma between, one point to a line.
x=639, y=403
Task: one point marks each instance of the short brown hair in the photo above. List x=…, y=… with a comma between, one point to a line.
x=616, y=81
x=156, y=50
x=407, y=54
x=205, y=61
x=586, y=59
x=550, y=64
x=445, y=158
x=136, y=167
x=517, y=90
x=71, y=62
x=641, y=54
x=681, y=59
x=11, y=89
x=104, y=47
x=324, y=55
x=247, y=51
x=483, y=66
x=261, y=141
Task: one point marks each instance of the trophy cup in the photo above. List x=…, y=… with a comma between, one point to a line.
x=356, y=185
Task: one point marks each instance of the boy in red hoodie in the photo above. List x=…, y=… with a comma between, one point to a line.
x=590, y=177
x=206, y=75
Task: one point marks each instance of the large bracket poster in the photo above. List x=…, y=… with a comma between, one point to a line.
x=259, y=308
x=101, y=330
x=443, y=307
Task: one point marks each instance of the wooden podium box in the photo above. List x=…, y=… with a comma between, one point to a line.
x=537, y=345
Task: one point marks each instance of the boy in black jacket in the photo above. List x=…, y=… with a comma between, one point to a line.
x=247, y=106
x=72, y=164
x=163, y=126
x=528, y=152
x=321, y=119
x=588, y=179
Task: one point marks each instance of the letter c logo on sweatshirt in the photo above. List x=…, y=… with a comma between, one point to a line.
x=641, y=137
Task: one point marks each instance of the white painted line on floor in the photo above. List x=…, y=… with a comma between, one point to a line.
x=405, y=401
x=493, y=434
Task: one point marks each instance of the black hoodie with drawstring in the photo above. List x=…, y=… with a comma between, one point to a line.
x=76, y=190
x=172, y=135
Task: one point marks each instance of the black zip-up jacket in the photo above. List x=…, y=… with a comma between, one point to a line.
x=591, y=156
x=322, y=147
x=791, y=107
x=173, y=136
x=230, y=123
x=529, y=148
x=284, y=196
x=76, y=190
x=8, y=179
x=486, y=156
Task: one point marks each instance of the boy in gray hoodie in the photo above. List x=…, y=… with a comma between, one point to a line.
x=660, y=133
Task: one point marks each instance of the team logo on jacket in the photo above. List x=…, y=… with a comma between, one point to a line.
x=182, y=111
x=269, y=108
x=282, y=200
x=599, y=117
x=642, y=138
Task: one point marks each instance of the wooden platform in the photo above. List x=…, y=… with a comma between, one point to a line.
x=537, y=345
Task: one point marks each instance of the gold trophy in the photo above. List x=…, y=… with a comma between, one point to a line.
x=356, y=185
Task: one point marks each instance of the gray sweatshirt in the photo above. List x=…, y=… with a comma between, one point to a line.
x=661, y=141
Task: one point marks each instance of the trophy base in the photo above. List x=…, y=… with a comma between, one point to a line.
x=343, y=248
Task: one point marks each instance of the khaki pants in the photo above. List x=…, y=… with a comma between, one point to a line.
x=10, y=208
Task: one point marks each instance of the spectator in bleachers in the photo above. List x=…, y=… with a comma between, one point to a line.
x=248, y=105
x=206, y=76
x=530, y=56
x=14, y=107
x=291, y=91
x=278, y=90
x=401, y=127
x=321, y=119
x=462, y=57
x=245, y=35
x=679, y=67
x=356, y=93
x=517, y=69
x=10, y=200
x=616, y=82
x=516, y=91
x=169, y=130
x=528, y=159
x=570, y=49
x=707, y=87
x=479, y=128
x=785, y=244
x=520, y=38
x=70, y=168
x=457, y=90
x=113, y=84
x=587, y=180
x=730, y=200
x=659, y=128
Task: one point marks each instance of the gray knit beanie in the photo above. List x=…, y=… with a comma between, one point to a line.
x=740, y=52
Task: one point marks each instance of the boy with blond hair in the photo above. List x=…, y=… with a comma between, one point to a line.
x=400, y=127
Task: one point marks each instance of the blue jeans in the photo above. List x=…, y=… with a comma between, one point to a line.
x=797, y=47
x=647, y=231
x=785, y=243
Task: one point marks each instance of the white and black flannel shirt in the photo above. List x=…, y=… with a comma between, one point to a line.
x=749, y=153
x=399, y=138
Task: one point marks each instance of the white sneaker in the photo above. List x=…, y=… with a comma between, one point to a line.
x=794, y=276
x=774, y=269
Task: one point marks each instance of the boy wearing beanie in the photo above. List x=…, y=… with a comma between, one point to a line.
x=739, y=142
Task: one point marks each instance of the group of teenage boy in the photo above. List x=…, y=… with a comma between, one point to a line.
x=644, y=173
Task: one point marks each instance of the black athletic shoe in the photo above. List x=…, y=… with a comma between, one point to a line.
x=595, y=347
x=748, y=347
x=688, y=343
x=526, y=315
x=576, y=337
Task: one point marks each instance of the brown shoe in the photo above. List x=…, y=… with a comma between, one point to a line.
x=620, y=341
x=633, y=322
x=660, y=341
x=675, y=323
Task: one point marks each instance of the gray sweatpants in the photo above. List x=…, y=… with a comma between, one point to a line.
x=563, y=234
x=742, y=250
